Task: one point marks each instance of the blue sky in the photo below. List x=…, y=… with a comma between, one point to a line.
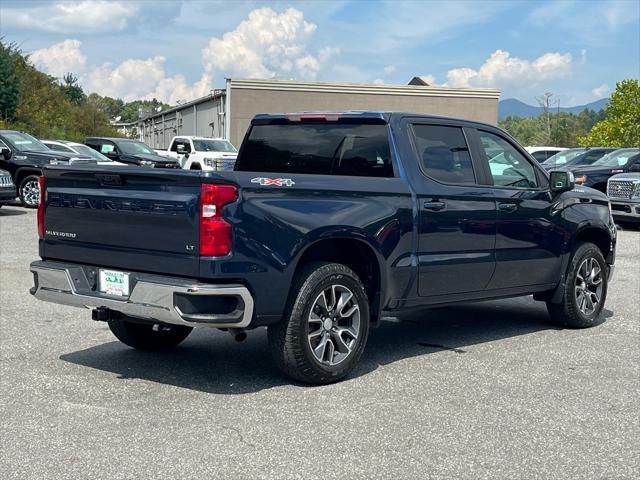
x=178, y=50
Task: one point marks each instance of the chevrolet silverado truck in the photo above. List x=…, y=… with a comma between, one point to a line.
x=201, y=153
x=328, y=222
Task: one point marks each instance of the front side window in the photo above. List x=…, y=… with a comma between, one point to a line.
x=106, y=148
x=318, y=148
x=509, y=168
x=443, y=153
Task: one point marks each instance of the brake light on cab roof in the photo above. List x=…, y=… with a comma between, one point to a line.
x=313, y=117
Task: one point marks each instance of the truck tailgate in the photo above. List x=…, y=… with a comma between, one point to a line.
x=133, y=218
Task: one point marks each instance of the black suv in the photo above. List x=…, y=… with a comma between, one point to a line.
x=622, y=160
x=130, y=151
x=24, y=156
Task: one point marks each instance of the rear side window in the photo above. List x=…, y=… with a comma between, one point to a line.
x=443, y=153
x=318, y=148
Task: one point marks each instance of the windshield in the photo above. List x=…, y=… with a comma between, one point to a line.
x=206, y=145
x=562, y=158
x=618, y=158
x=25, y=142
x=132, y=147
x=90, y=152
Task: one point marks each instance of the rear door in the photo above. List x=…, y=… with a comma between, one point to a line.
x=457, y=217
x=528, y=242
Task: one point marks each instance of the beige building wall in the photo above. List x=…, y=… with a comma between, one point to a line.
x=250, y=97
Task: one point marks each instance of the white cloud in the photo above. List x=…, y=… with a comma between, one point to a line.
x=130, y=80
x=88, y=16
x=502, y=69
x=61, y=58
x=265, y=45
x=389, y=69
x=144, y=79
x=601, y=91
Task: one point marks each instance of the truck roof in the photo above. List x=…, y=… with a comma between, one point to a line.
x=195, y=137
x=368, y=115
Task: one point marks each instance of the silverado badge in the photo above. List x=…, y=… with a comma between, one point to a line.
x=276, y=182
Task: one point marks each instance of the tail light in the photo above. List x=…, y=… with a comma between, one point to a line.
x=215, y=231
x=41, y=184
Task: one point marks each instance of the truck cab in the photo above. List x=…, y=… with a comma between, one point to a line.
x=202, y=153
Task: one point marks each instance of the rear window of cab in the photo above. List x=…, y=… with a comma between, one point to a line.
x=318, y=148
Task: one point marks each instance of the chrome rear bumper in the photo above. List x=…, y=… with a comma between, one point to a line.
x=152, y=297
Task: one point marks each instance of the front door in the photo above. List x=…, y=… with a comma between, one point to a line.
x=528, y=242
x=456, y=215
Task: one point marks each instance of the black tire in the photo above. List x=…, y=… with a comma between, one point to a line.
x=568, y=312
x=29, y=186
x=143, y=336
x=289, y=339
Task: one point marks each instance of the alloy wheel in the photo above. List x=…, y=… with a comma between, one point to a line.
x=334, y=325
x=31, y=193
x=588, y=287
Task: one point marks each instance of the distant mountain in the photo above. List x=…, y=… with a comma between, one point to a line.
x=516, y=108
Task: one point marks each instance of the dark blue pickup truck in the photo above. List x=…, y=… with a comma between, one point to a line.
x=329, y=221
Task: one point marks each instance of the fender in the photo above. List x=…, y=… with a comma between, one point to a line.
x=345, y=233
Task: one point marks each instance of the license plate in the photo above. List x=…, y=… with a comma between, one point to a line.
x=115, y=283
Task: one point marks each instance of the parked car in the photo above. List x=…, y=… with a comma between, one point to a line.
x=201, y=153
x=328, y=222
x=23, y=156
x=596, y=175
x=583, y=157
x=80, y=149
x=130, y=151
x=541, y=154
x=7, y=188
x=623, y=190
x=560, y=159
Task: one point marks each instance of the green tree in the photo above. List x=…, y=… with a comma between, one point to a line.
x=45, y=109
x=9, y=82
x=72, y=90
x=621, y=124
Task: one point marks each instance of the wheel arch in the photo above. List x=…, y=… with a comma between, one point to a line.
x=24, y=172
x=354, y=252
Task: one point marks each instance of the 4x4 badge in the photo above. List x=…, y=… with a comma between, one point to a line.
x=276, y=182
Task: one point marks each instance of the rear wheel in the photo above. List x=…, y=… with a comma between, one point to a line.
x=326, y=326
x=29, y=191
x=146, y=336
x=585, y=289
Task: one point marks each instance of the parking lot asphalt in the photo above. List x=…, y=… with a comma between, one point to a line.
x=484, y=390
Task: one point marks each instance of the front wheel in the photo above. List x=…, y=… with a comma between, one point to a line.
x=585, y=289
x=146, y=336
x=326, y=326
x=29, y=191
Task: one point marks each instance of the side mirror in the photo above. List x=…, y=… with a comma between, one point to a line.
x=635, y=167
x=113, y=155
x=561, y=181
x=180, y=149
x=6, y=153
